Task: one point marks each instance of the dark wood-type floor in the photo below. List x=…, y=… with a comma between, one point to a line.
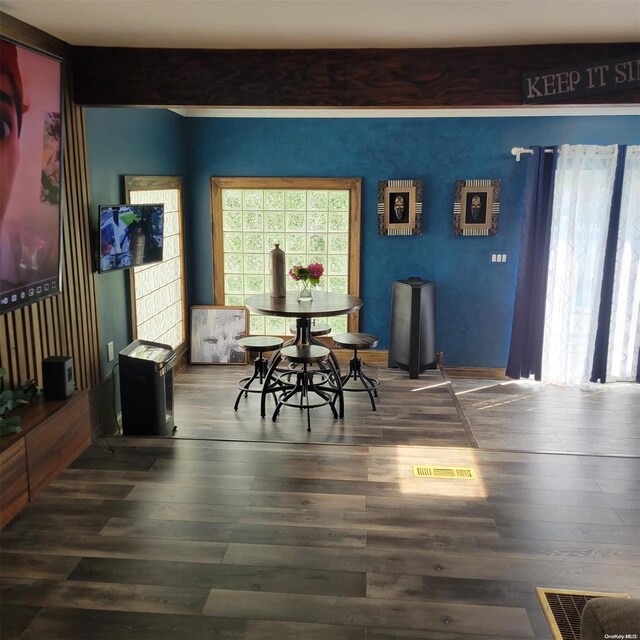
x=277, y=539
x=522, y=415
x=416, y=412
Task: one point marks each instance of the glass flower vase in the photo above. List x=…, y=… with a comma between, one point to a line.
x=304, y=293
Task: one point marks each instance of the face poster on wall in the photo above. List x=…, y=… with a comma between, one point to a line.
x=31, y=168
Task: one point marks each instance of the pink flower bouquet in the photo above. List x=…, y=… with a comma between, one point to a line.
x=312, y=272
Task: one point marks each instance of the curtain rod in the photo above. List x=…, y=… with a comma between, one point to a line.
x=518, y=151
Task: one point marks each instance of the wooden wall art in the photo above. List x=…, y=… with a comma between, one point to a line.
x=400, y=208
x=476, y=205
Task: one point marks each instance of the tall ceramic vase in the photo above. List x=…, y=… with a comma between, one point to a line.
x=276, y=259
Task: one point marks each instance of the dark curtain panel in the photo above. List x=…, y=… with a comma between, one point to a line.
x=525, y=352
x=601, y=348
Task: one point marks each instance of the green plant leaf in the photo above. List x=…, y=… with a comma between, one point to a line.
x=7, y=429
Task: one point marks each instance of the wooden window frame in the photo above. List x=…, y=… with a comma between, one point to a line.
x=353, y=185
x=160, y=183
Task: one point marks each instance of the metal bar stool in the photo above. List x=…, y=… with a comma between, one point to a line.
x=315, y=331
x=260, y=345
x=357, y=341
x=305, y=381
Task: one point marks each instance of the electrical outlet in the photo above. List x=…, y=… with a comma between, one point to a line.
x=110, y=353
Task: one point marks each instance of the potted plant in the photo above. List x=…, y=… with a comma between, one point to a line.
x=9, y=400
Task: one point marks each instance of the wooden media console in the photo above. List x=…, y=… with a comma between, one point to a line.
x=54, y=433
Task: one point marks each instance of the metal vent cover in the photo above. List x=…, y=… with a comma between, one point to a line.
x=451, y=473
x=563, y=609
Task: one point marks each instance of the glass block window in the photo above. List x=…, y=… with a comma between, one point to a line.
x=310, y=224
x=158, y=290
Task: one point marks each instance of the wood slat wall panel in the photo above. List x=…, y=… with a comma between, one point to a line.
x=447, y=77
x=65, y=324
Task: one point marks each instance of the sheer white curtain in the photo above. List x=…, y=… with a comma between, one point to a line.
x=624, y=336
x=581, y=204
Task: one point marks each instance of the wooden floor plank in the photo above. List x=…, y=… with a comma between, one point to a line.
x=15, y=619
x=242, y=533
x=78, y=624
x=114, y=547
x=288, y=495
x=226, y=576
x=392, y=559
x=370, y=611
x=505, y=593
x=33, y=566
x=107, y=596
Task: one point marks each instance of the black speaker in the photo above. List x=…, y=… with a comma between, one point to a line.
x=57, y=377
x=412, y=343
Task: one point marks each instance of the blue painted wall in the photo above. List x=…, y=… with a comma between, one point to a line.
x=475, y=297
x=126, y=142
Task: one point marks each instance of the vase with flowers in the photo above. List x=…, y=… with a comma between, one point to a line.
x=308, y=277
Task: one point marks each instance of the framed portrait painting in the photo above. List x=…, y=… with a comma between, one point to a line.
x=400, y=208
x=476, y=205
x=215, y=332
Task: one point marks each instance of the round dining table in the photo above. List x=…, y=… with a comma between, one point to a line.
x=323, y=305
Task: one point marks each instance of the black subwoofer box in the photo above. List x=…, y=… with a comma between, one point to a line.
x=57, y=377
x=412, y=343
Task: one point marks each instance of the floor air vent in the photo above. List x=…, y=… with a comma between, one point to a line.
x=455, y=473
x=563, y=609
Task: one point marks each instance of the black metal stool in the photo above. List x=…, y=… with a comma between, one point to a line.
x=316, y=330
x=305, y=381
x=260, y=345
x=357, y=341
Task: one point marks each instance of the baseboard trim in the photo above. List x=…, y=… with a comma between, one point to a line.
x=381, y=357
x=482, y=373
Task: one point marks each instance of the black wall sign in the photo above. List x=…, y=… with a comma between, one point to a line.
x=566, y=83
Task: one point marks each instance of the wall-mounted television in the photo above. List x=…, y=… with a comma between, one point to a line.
x=30, y=175
x=131, y=235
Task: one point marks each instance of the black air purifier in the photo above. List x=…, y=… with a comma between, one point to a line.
x=412, y=344
x=146, y=388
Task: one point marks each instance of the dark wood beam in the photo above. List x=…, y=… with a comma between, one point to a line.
x=459, y=77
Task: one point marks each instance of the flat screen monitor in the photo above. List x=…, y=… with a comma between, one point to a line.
x=131, y=235
x=30, y=175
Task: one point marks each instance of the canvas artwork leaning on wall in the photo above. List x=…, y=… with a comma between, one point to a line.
x=215, y=332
